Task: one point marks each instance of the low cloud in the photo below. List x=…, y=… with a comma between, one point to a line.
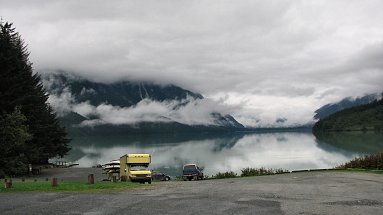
x=62, y=103
x=188, y=111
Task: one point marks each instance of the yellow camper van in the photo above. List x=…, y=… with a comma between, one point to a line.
x=136, y=167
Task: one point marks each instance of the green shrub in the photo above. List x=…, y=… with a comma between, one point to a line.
x=229, y=174
x=366, y=162
x=246, y=172
x=206, y=177
x=281, y=171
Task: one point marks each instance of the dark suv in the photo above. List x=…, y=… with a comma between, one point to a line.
x=192, y=171
x=157, y=176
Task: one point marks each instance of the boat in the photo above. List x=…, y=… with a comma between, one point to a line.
x=113, y=165
x=113, y=162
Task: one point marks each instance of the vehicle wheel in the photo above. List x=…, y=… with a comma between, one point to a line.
x=190, y=179
x=167, y=178
x=149, y=182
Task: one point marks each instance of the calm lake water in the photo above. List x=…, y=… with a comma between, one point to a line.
x=229, y=152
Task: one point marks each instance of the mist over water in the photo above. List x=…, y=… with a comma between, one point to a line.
x=228, y=152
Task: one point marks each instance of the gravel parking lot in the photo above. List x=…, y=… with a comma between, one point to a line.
x=296, y=193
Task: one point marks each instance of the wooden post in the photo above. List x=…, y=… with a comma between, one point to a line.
x=54, y=182
x=124, y=178
x=30, y=169
x=114, y=178
x=90, y=179
x=7, y=184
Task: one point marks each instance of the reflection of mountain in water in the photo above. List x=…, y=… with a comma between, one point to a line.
x=220, y=140
x=351, y=142
x=153, y=139
x=282, y=139
x=215, y=152
x=226, y=142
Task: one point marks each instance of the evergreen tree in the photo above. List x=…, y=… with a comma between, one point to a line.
x=13, y=135
x=19, y=86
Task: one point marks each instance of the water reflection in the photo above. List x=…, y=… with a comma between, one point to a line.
x=225, y=152
x=352, y=142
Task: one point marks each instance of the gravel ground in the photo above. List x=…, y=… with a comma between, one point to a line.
x=296, y=193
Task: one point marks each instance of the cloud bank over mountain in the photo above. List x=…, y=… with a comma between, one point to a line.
x=135, y=102
x=275, y=59
x=189, y=111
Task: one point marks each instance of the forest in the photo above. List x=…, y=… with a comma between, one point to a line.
x=367, y=117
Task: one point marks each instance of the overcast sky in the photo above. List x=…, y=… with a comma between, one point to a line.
x=272, y=59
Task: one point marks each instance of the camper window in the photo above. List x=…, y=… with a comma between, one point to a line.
x=138, y=168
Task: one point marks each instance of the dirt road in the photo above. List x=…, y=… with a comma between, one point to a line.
x=296, y=193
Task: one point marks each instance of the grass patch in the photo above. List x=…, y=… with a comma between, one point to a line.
x=68, y=186
x=375, y=171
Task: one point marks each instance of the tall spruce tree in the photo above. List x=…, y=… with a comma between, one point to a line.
x=13, y=136
x=20, y=87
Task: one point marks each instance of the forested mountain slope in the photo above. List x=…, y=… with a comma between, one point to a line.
x=360, y=118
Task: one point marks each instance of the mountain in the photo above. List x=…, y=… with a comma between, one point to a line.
x=123, y=93
x=348, y=102
x=85, y=107
x=359, y=118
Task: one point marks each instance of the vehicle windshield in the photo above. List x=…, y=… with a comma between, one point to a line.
x=138, y=168
x=190, y=167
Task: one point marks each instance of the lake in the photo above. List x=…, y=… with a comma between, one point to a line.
x=218, y=152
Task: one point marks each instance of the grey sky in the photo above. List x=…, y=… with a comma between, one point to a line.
x=275, y=59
